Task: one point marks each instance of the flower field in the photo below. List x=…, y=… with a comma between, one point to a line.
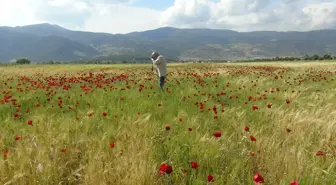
x=232, y=124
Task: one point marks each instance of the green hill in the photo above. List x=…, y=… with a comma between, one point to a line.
x=43, y=42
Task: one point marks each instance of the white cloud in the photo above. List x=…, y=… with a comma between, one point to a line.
x=321, y=15
x=184, y=12
x=60, y=2
x=121, y=19
x=73, y=5
x=18, y=12
x=251, y=15
x=119, y=16
x=116, y=16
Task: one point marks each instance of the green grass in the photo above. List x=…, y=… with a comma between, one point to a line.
x=137, y=124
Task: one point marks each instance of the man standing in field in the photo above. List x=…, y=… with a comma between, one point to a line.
x=160, y=63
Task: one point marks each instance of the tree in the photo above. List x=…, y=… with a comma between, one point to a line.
x=327, y=57
x=23, y=61
x=315, y=57
x=306, y=57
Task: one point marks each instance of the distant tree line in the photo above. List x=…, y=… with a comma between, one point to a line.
x=23, y=61
x=316, y=57
x=144, y=60
x=52, y=62
x=304, y=58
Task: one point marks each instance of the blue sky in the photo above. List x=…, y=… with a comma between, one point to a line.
x=154, y=4
x=124, y=16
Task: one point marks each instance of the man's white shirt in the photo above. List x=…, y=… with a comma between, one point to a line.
x=161, y=65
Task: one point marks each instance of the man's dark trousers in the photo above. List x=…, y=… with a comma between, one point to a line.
x=161, y=81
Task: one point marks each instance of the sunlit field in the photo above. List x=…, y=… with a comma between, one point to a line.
x=225, y=124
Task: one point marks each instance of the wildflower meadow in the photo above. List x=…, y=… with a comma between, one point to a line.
x=233, y=124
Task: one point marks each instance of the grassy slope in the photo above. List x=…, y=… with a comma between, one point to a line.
x=136, y=124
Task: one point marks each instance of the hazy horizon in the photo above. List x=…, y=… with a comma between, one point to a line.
x=45, y=23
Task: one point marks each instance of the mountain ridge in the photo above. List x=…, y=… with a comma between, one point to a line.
x=53, y=42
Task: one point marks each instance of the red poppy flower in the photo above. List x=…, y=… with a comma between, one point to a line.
x=167, y=127
x=294, y=183
x=252, y=138
x=104, y=114
x=211, y=178
x=194, y=165
x=269, y=106
x=17, y=138
x=319, y=153
x=246, y=128
x=258, y=179
x=165, y=169
x=30, y=122
x=218, y=134
x=6, y=153
x=255, y=107
x=63, y=150
x=190, y=129
x=16, y=115
x=112, y=144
